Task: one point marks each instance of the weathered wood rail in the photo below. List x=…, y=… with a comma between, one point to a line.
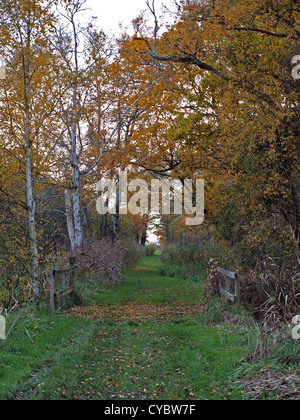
x=58, y=298
x=228, y=277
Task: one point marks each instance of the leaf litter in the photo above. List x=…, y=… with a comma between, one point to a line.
x=120, y=313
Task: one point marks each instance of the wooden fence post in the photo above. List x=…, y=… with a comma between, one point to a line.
x=225, y=286
x=61, y=295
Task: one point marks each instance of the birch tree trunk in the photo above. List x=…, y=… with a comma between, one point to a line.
x=70, y=220
x=31, y=221
x=76, y=191
x=28, y=171
x=74, y=154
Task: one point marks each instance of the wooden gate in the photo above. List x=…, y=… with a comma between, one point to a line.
x=226, y=285
x=58, y=298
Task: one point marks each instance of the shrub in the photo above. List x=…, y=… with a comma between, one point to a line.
x=132, y=252
x=101, y=260
x=190, y=256
x=150, y=250
x=15, y=286
x=271, y=290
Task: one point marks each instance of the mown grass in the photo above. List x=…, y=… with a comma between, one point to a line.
x=129, y=361
x=64, y=357
x=35, y=344
x=144, y=285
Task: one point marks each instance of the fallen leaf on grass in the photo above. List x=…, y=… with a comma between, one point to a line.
x=121, y=313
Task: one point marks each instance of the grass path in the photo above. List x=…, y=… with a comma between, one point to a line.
x=144, y=339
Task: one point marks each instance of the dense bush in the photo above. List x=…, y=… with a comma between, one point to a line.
x=190, y=256
x=269, y=286
x=100, y=266
x=271, y=289
x=101, y=260
x=132, y=252
x=150, y=250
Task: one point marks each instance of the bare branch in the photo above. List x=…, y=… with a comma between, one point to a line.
x=115, y=130
x=192, y=59
x=187, y=58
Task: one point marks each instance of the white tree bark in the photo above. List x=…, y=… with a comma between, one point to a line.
x=28, y=170
x=31, y=222
x=70, y=220
x=76, y=179
x=77, y=210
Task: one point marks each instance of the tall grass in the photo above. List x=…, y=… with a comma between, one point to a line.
x=189, y=257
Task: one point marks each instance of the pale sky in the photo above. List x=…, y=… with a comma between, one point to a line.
x=111, y=12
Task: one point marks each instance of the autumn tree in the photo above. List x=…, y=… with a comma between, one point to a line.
x=248, y=132
x=27, y=101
